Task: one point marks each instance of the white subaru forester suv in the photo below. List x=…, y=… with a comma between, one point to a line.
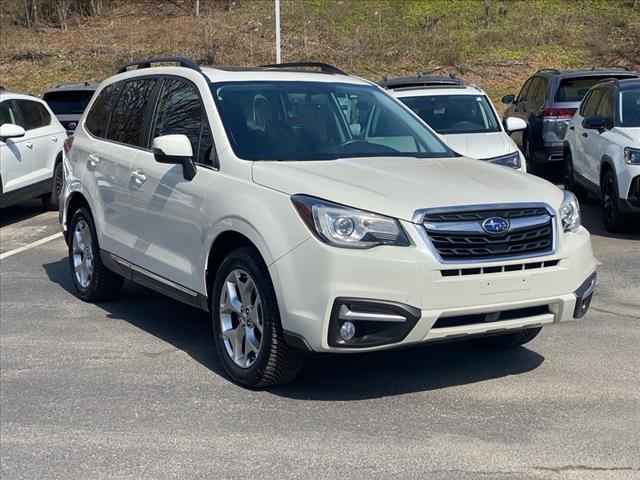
x=253, y=194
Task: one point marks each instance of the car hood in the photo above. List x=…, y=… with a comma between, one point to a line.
x=398, y=186
x=632, y=134
x=481, y=145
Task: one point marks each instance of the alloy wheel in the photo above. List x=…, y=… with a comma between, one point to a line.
x=241, y=318
x=82, y=250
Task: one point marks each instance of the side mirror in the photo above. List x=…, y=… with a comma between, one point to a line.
x=508, y=99
x=9, y=130
x=514, y=124
x=175, y=150
x=596, y=123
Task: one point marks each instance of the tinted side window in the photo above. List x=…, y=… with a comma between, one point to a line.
x=523, y=93
x=98, y=117
x=591, y=105
x=537, y=93
x=127, y=124
x=32, y=114
x=181, y=112
x=6, y=115
x=585, y=102
x=605, y=108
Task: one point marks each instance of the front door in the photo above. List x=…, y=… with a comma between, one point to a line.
x=171, y=244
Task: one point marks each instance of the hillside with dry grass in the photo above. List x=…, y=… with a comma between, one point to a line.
x=493, y=43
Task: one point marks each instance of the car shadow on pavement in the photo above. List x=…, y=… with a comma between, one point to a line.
x=325, y=377
x=22, y=211
x=592, y=221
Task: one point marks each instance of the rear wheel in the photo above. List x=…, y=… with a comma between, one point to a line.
x=247, y=331
x=509, y=340
x=570, y=182
x=51, y=200
x=613, y=219
x=93, y=281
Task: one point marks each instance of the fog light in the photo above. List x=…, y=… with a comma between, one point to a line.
x=347, y=331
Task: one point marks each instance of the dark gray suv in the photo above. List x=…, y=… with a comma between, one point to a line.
x=68, y=101
x=547, y=101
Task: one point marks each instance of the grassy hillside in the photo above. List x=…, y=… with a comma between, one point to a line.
x=494, y=43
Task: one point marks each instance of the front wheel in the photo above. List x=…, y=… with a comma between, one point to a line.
x=509, y=340
x=247, y=331
x=93, y=281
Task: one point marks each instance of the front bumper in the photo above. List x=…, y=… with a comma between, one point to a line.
x=313, y=276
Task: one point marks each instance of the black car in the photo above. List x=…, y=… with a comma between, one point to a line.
x=547, y=101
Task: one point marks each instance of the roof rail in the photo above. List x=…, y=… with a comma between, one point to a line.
x=422, y=80
x=554, y=70
x=324, y=67
x=146, y=63
x=626, y=69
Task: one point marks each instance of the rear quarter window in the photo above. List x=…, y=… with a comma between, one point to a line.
x=98, y=117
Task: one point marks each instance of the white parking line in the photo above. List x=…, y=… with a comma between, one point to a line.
x=35, y=244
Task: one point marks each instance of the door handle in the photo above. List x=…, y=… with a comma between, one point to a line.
x=29, y=145
x=54, y=139
x=585, y=134
x=138, y=177
x=92, y=161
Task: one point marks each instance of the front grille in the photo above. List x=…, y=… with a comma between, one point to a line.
x=459, y=236
x=476, y=318
x=518, y=267
x=483, y=214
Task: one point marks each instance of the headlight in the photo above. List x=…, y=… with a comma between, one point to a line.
x=347, y=227
x=632, y=156
x=511, y=160
x=570, y=212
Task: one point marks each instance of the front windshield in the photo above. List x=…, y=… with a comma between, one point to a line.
x=297, y=121
x=630, y=108
x=451, y=114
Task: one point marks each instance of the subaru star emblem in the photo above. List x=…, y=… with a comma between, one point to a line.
x=495, y=225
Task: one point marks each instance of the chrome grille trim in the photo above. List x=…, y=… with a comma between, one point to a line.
x=534, y=224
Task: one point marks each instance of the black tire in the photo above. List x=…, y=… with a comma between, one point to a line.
x=570, y=182
x=533, y=166
x=614, y=221
x=276, y=363
x=50, y=201
x=103, y=284
x=509, y=340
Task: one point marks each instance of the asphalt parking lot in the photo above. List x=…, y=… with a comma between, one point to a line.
x=132, y=390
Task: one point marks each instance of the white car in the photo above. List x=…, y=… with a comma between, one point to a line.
x=463, y=115
x=602, y=150
x=246, y=193
x=31, y=144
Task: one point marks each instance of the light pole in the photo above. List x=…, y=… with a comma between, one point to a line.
x=278, y=47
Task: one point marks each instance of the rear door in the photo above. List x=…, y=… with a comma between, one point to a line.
x=15, y=153
x=116, y=121
x=583, y=136
x=597, y=142
x=170, y=207
x=45, y=136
